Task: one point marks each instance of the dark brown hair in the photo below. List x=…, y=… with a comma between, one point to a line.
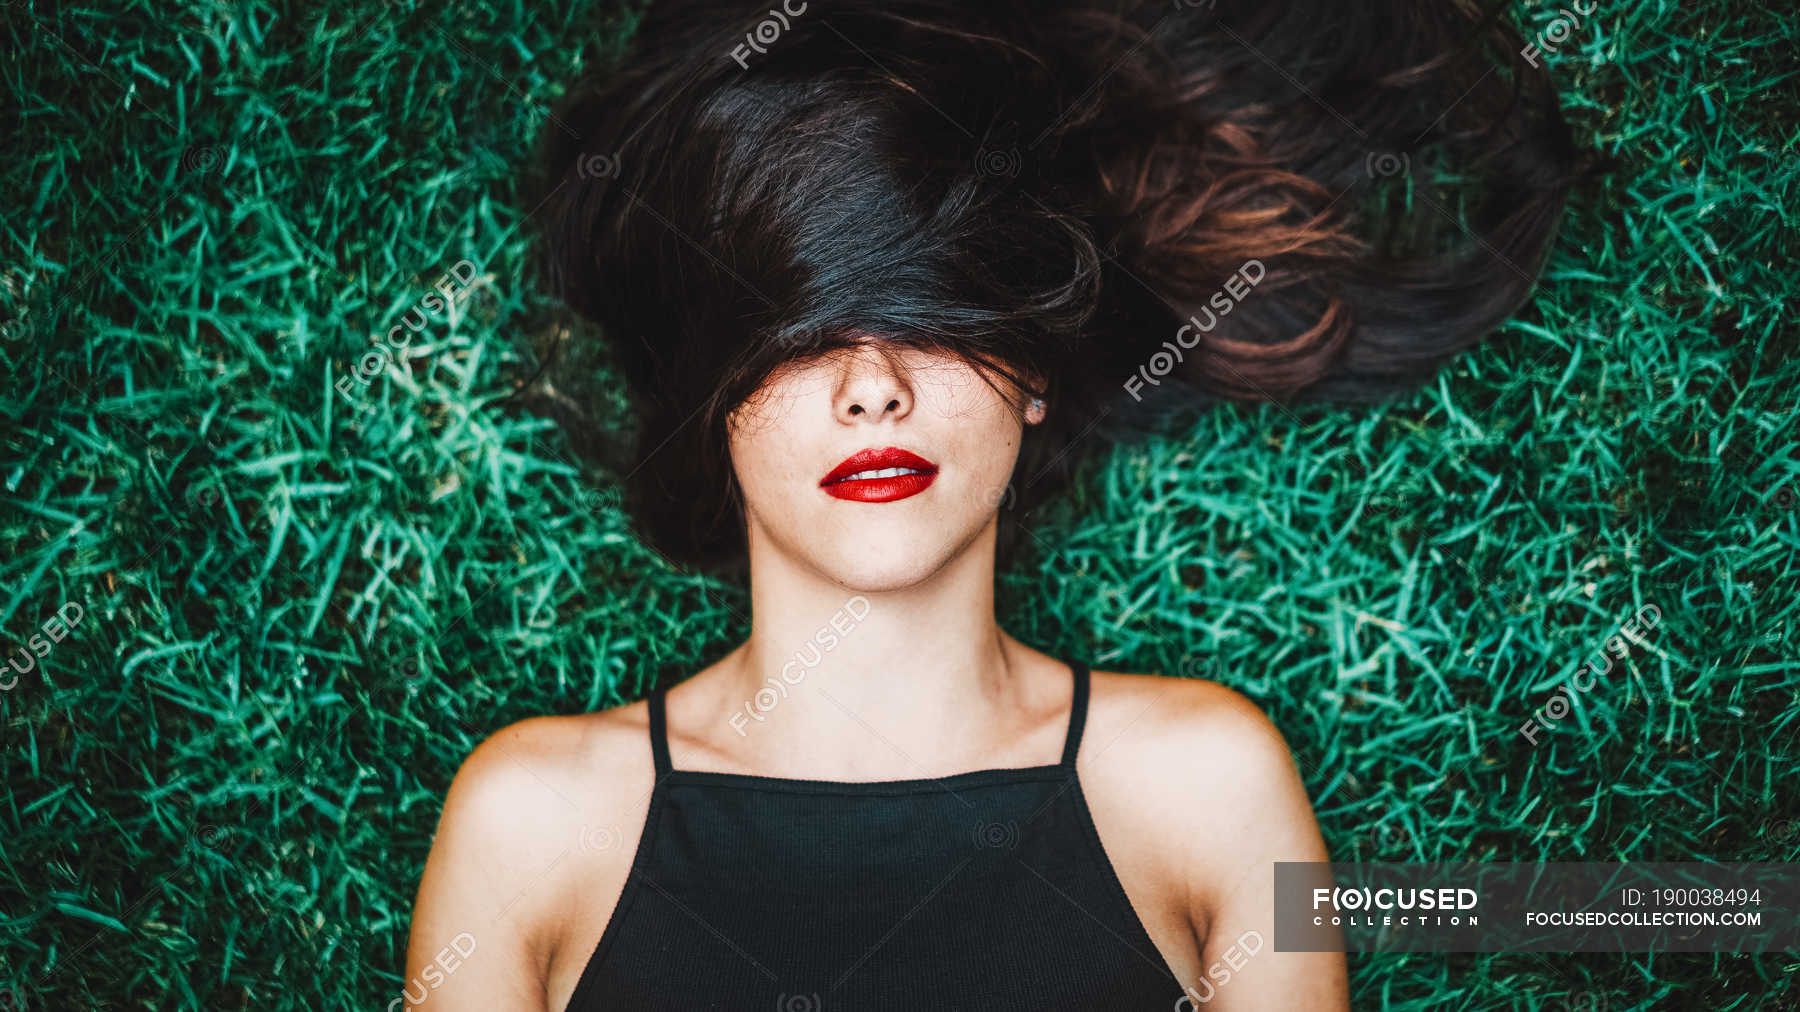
x=1261, y=200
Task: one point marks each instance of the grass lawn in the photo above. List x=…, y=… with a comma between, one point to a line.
x=301, y=572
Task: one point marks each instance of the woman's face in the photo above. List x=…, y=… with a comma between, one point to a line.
x=873, y=469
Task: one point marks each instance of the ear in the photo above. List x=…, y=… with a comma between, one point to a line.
x=1035, y=405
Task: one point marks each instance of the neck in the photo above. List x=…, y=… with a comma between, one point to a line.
x=873, y=681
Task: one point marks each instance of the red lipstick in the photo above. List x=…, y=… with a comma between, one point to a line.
x=883, y=475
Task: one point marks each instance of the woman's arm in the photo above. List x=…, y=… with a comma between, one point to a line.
x=501, y=866
x=1261, y=815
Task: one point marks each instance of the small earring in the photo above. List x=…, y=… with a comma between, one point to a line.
x=1034, y=411
x=1037, y=404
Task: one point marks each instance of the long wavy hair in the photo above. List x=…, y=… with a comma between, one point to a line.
x=1113, y=204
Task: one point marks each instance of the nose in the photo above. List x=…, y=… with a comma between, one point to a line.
x=871, y=387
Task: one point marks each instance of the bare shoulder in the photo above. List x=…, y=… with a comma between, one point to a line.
x=546, y=772
x=560, y=750
x=1187, y=719
x=542, y=810
x=1219, y=783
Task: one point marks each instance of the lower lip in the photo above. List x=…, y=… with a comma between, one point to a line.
x=899, y=486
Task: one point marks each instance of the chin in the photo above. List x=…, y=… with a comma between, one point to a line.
x=890, y=558
x=878, y=566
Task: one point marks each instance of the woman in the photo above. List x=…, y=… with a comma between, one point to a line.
x=874, y=271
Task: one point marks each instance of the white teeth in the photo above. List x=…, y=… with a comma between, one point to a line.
x=886, y=472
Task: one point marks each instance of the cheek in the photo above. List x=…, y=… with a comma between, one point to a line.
x=770, y=441
x=986, y=434
x=980, y=455
x=998, y=452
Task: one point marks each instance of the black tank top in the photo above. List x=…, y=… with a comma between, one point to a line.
x=983, y=891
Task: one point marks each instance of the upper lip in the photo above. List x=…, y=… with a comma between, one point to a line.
x=873, y=459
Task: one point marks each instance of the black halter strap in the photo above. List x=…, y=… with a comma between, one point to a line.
x=659, y=733
x=1077, y=712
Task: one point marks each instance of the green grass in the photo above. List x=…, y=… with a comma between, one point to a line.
x=302, y=607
